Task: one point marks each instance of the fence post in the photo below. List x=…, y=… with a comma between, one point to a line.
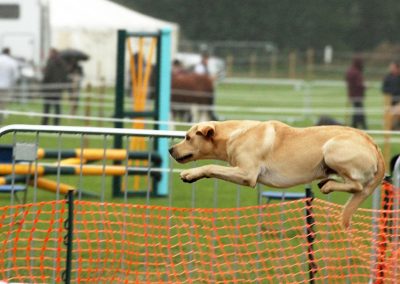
x=312, y=266
x=253, y=61
x=310, y=63
x=273, y=64
x=292, y=64
x=68, y=239
x=383, y=234
x=229, y=65
x=89, y=90
x=119, y=103
x=102, y=93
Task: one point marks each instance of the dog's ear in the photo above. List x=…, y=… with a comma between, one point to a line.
x=206, y=130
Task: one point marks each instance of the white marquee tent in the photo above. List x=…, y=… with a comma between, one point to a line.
x=91, y=26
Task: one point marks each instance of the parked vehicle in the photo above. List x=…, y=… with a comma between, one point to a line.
x=25, y=29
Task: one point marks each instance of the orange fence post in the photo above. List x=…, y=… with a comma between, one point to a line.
x=312, y=266
x=387, y=206
x=68, y=238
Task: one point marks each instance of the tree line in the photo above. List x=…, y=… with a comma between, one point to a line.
x=355, y=25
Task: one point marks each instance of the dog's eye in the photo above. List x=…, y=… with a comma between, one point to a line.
x=187, y=137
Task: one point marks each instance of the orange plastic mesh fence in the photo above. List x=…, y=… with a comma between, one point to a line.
x=116, y=243
x=31, y=242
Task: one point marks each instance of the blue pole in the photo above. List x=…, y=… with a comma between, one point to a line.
x=164, y=105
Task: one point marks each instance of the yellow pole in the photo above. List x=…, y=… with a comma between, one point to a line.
x=51, y=186
x=98, y=154
x=86, y=170
x=92, y=154
x=139, y=107
x=7, y=169
x=73, y=161
x=139, y=99
x=148, y=70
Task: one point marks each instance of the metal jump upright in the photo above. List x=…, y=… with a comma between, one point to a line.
x=161, y=107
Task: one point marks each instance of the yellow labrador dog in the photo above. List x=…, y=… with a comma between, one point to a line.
x=275, y=154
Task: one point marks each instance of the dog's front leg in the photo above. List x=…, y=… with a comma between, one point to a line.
x=232, y=174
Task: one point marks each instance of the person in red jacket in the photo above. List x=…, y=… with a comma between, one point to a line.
x=356, y=92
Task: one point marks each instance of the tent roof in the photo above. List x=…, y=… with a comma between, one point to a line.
x=101, y=15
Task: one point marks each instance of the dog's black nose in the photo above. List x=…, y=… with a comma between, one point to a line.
x=170, y=150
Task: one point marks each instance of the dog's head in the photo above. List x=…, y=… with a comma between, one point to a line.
x=198, y=144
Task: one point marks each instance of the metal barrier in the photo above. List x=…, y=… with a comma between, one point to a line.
x=71, y=158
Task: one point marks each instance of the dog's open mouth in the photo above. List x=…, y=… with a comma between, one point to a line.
x=184, y=158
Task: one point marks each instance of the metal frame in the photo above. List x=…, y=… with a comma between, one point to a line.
x=104, y=131
x=91, y=130
x=161, y=100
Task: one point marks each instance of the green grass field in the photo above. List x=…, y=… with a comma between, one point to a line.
x=297, y=106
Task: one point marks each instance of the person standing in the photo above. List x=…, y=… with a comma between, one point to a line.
x=356, y=92
x=55, y=81
x=202, y=67
x=391, y=91
x=391, y=83
x=9, y=75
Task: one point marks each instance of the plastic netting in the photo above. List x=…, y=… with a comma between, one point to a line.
x=31, y=242
x=115, y=243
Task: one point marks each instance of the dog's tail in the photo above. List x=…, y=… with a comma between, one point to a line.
x=357, y=198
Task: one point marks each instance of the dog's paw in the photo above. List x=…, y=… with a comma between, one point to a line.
x=325, y=190
x=189, y=176
x=322, y=183
x=325, y=186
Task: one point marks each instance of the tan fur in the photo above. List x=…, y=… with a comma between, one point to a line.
x=275, y=154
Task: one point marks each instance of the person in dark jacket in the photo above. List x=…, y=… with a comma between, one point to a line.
x=391, y=83
x=391, y=91
x=356, y=92
x=55, y=81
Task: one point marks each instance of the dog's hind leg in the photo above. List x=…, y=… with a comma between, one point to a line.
x=347, y=186
x=351, y=161
x=361, y=169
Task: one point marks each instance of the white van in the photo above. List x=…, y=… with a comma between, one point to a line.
x=25, y=29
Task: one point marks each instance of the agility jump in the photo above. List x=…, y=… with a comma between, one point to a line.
x=74, y=162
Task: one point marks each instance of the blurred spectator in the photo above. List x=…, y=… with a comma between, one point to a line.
x=202, y=67
x=356, y=92
x=177, y=67
x=55, y=81
x=391, y=83
x=9, y=75
x=391, y=90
